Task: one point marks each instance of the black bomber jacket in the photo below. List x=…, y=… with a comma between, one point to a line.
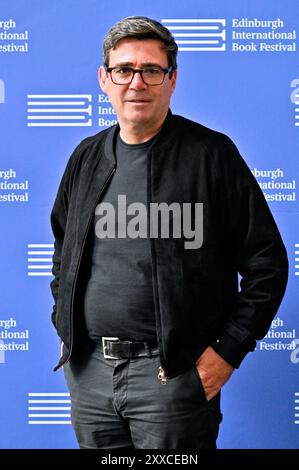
x=197, y=297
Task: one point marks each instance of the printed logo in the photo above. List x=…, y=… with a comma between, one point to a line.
x=280, y=337
x=59, y=111
x=105, y=110
x=40, y=259
x=276, y=184
x=15, y=41
x=12, y=339
x=14, y=191
x=245, y=35
x=198, y=34
x=49, y=408
x=261, y=35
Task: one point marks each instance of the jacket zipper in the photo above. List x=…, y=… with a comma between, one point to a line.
x=78, y=266
x=161, y=373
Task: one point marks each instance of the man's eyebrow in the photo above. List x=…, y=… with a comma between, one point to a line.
x=151, y=64
x=130, y=64
x=123, y=64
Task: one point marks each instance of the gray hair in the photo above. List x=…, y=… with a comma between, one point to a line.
x=140, y=27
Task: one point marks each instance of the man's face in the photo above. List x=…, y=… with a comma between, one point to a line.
x=137, y=103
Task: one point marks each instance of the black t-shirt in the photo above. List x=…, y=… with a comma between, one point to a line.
x=119, y=293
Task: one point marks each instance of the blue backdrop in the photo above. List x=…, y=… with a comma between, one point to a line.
x=238, y=73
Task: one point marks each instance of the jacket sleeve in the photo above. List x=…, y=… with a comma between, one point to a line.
x=259, y=256
x=59, y=216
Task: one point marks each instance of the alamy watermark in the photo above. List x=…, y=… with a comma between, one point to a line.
x=295, y=353
x=161, y=220
x=295, y=92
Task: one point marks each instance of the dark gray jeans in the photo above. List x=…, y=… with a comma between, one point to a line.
x=121, y=403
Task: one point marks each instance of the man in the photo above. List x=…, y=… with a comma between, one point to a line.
x=153, y=220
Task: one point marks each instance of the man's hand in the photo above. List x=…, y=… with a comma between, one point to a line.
x=214, y=371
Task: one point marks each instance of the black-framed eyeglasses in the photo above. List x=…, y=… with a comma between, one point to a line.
x=123, y=75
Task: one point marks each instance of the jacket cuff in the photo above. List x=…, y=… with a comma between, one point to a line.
x=231, y=350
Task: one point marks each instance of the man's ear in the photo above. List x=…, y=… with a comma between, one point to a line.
x=103, y=78
x=173, y=80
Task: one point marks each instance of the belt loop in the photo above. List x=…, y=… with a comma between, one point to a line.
x=147, y=348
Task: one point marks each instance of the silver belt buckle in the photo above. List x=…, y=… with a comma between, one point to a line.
x=108, y=338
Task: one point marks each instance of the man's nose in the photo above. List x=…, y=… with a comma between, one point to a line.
x=137, y=83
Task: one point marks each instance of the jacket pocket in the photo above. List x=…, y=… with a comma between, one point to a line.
x=199, y=382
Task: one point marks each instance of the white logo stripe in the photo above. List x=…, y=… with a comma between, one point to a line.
x=188, y=35
x=198, y=42
x=49, y=422
x=40, y=266
x=59, y=110
x=52, y=103
x=42, y=245
x=40, y=252
x=40, y=118
x=40, y=274
x=48, y=415
x=60, y=96
x=49, y=401
x=194, y=20
x=49, y=408
x=174, y=28
x=34, y=260
x=49, y=394
x=59, y=124
x=222, y=48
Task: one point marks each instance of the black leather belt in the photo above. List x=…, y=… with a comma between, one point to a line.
x=113, y=348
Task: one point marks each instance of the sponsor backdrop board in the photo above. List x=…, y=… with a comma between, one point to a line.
x=238, y=73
